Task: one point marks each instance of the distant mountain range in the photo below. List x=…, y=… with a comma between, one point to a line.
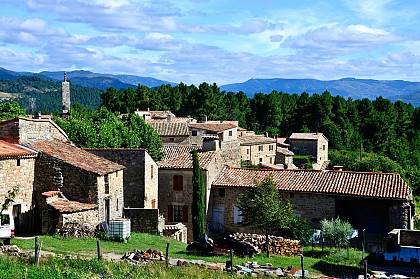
x=393, y=90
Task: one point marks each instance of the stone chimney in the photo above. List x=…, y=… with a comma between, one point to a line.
x=65, y=94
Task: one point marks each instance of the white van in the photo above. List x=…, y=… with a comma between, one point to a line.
x=7, y=227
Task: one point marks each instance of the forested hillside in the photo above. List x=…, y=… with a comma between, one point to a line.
x=37, y=94
x=388, y=133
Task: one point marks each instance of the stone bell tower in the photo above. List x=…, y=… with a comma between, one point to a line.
x=65, y=93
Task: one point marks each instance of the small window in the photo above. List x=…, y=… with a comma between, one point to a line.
x=323, y=147
x=180, y=213
x=237, y=215
x=194, y=133
x=247, y=151
x=291, y=195
x=270, y=147
x=171, y=139
x=230, y=133
x=118, y=203
x=178, y=183
x=260, y=160
x=260, y=148
x=18, y=162
x=153, y=203
x=106, y=178
x=152, y=171
x=222, y=192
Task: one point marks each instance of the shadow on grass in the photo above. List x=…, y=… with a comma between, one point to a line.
x=336, y=270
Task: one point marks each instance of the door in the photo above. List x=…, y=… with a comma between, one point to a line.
x=107, y=213
x=217, y=220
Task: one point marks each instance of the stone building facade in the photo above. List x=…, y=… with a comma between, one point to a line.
x=376, y=202
x=27, y=130
x=257, y=149
x=314, y=144
x=17, y=170
x=81, y=176
x=140, y=175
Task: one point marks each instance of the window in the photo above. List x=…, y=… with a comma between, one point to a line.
x=106, y=178
x=323, y=147
x=153, y=203
x=18, y=162
x=247, y=151
x=177, y=213
x=222, y=192
x=152, y=171
x=171, y=139
x=194, y=133
x=270, y=147
x=230, y=133
x=237, y=215
x=118, y=203
x=260, y=148
x=178, y=183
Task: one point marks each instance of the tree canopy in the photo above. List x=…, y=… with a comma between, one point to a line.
x=198, y=199
x=264, y=208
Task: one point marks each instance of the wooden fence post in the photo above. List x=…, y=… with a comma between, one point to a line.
x=36, y=250
x=98, y=248
x=167, y=255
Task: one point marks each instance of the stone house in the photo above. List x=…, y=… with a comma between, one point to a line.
x=172, y=130
x=81, y=177
x=17, y=170
x=175, y=182
x=140, y=187
x=26, y=130
x=376, y=202
x=257, y=149
x=314, y=144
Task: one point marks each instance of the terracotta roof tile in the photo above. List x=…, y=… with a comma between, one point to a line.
x=179, y=157
x=66, y=206
x=170, y=128
x=307, y=136
x=255, y=139
x=77, y=157
x=213, y=127
x=364, y=184
x=10, y=150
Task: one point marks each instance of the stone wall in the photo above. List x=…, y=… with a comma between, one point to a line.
x=252, y=153
x=32, y=130
x=88, y=218
x=79, y=185
x=317, y=148
x=311, y=207
x=144, y=220
x=400, y=216
x=140, y=175
x=20, y=173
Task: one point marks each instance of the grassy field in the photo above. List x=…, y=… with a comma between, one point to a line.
x=316, y=261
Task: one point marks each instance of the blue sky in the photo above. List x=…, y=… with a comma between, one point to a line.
x=220, y=41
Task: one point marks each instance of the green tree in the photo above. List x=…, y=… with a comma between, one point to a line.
x=336, y=231
x=10, y=110
x=264, y=208
x=198, y=198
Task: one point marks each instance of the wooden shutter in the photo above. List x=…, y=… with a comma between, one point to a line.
x=170, y=213
x=185, y=213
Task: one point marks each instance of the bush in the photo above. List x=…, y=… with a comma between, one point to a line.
x=336, y=231
x=298, y=229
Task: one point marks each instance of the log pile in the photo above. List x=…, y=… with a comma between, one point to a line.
x=278, y=245
x=77, y=230
x=141, y=256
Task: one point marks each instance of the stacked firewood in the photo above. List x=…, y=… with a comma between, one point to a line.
x=278, y=245
x=77, y=230
x=141, y=256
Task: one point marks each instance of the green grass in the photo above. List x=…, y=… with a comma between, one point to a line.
x=329, y=262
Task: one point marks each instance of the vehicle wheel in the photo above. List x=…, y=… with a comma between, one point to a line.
x=6, y=241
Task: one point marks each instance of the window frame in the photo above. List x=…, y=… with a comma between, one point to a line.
x=178, y=182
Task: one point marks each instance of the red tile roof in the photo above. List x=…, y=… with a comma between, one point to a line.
x=307, y=136
x=9, y=150
x=362, y=184
x=66, y=206
x=180, y=157
x=255, y=139
x=77, y=157
x=213, y=127
x=170, y=128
